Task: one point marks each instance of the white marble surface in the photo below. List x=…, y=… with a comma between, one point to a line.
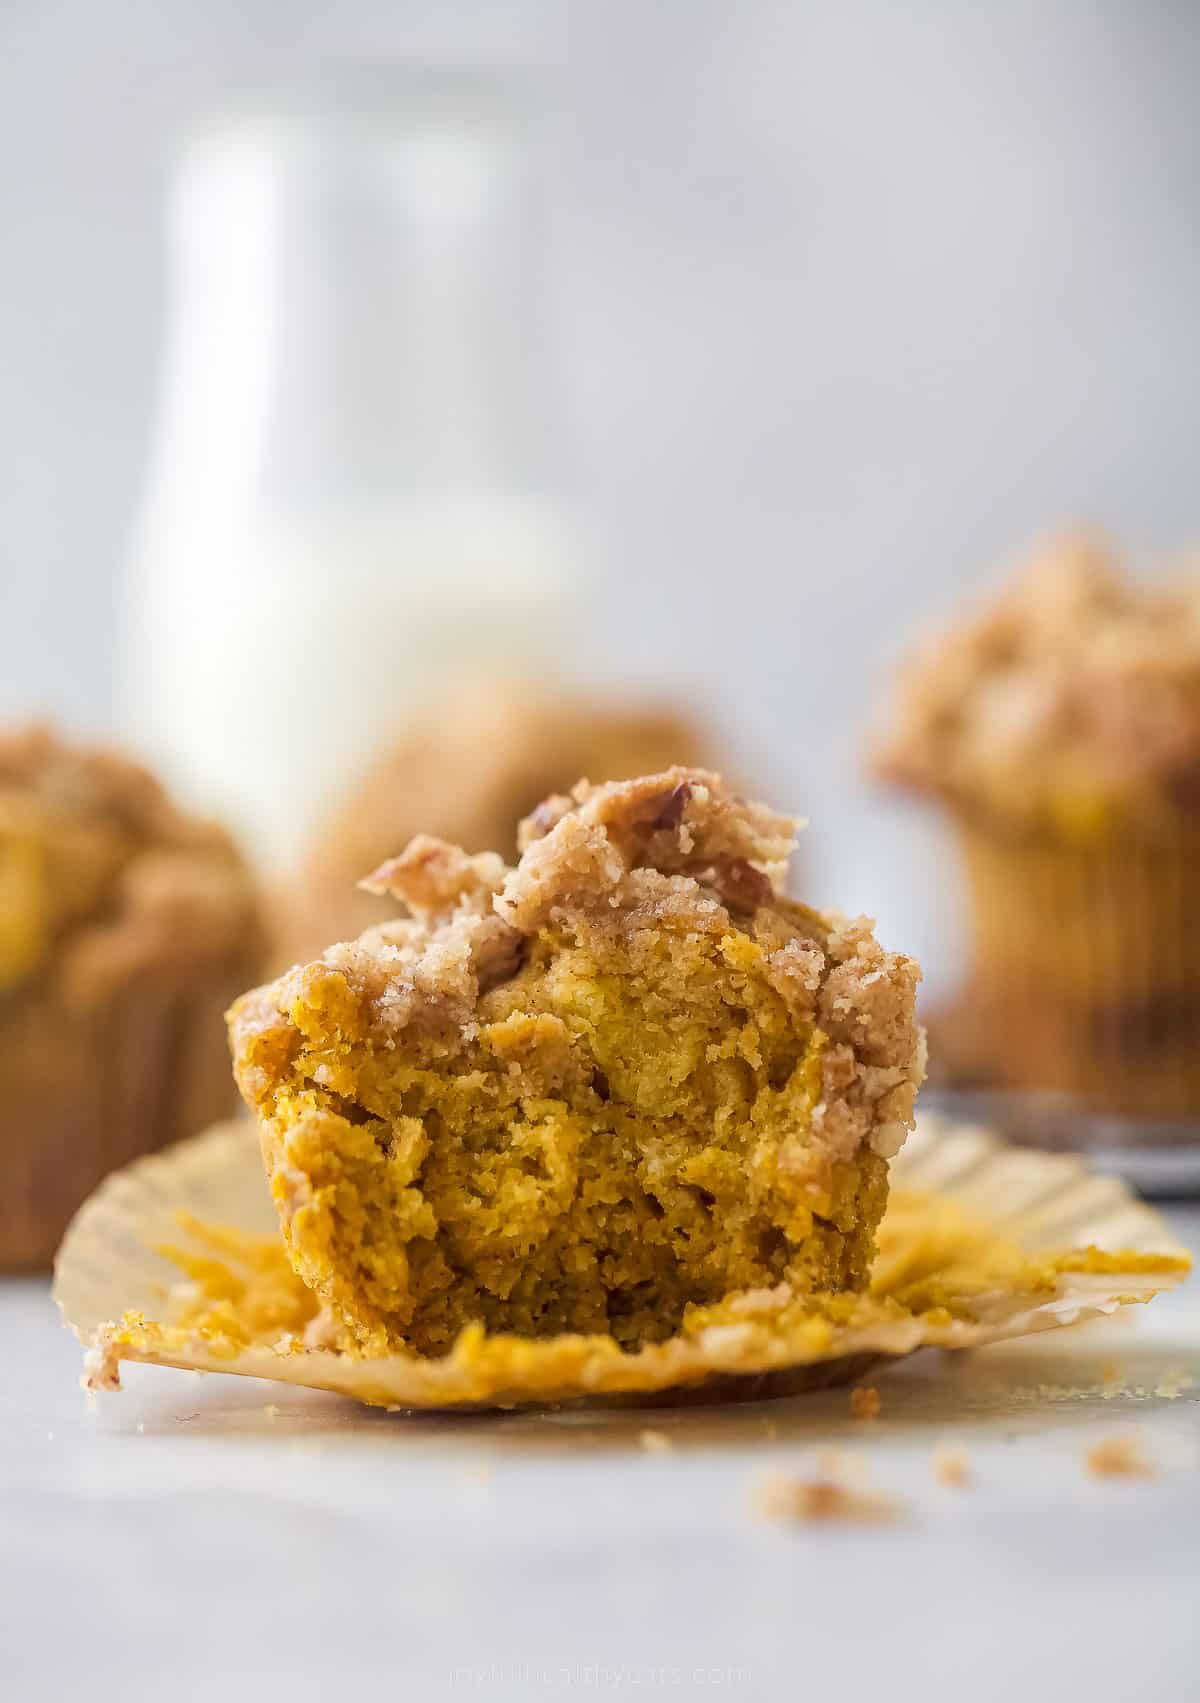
x=217, y=1538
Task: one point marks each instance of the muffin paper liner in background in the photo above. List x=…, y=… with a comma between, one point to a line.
x=111, y=1283
x=1086, y=969
x=89, y=1085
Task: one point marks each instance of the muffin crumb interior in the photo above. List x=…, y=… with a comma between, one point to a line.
x=622, y=1079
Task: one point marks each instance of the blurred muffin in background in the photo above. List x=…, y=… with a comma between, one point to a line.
x=468, y=770
x=1060, y=728
x=126, y=928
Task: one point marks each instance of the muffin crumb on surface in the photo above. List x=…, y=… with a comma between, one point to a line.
x=951, y=1466
x=823, y=1501
x=864, y=1402
x=1118, y=1457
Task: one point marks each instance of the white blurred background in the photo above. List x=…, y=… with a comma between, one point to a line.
x=850, y=300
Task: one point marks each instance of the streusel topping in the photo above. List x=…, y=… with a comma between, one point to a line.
x=467, y=769
x=1071, y=702
x=99, y=872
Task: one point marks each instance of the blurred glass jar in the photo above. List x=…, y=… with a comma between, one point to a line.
x=351, y=493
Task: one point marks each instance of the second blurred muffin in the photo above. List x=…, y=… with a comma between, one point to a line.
x=467, y=770
x=1061, y=729
x=126, y=927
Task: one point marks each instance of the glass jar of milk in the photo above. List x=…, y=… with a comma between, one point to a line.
x=350, y=498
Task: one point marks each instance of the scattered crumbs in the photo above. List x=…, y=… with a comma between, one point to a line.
x=822, y=1501
x=655, y=1442
x=951, y=1466
x=1174, y=1383
x=1048, y=1395
x=864, y=1402
x=1118, y=1457
x=1044, y=1395
x=271, y=1411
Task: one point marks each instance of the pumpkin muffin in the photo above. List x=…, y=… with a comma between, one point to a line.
x=468, y=769
x=125, y=928
x=1060, y=729
x=583, y=1094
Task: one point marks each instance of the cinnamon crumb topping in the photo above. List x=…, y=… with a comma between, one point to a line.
x=101, y=875
x=467, y=769
x=1073, y=696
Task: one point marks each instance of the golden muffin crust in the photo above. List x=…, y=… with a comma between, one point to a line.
x=125, y=929
x=584, y=1093
x=101, y=875
x=1070, y=702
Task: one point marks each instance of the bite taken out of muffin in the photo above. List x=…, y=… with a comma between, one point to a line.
x=586, y=1092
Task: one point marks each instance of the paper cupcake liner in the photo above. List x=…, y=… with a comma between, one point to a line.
x=88, y=1088
x=110, y=1283
x=1086, y=968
